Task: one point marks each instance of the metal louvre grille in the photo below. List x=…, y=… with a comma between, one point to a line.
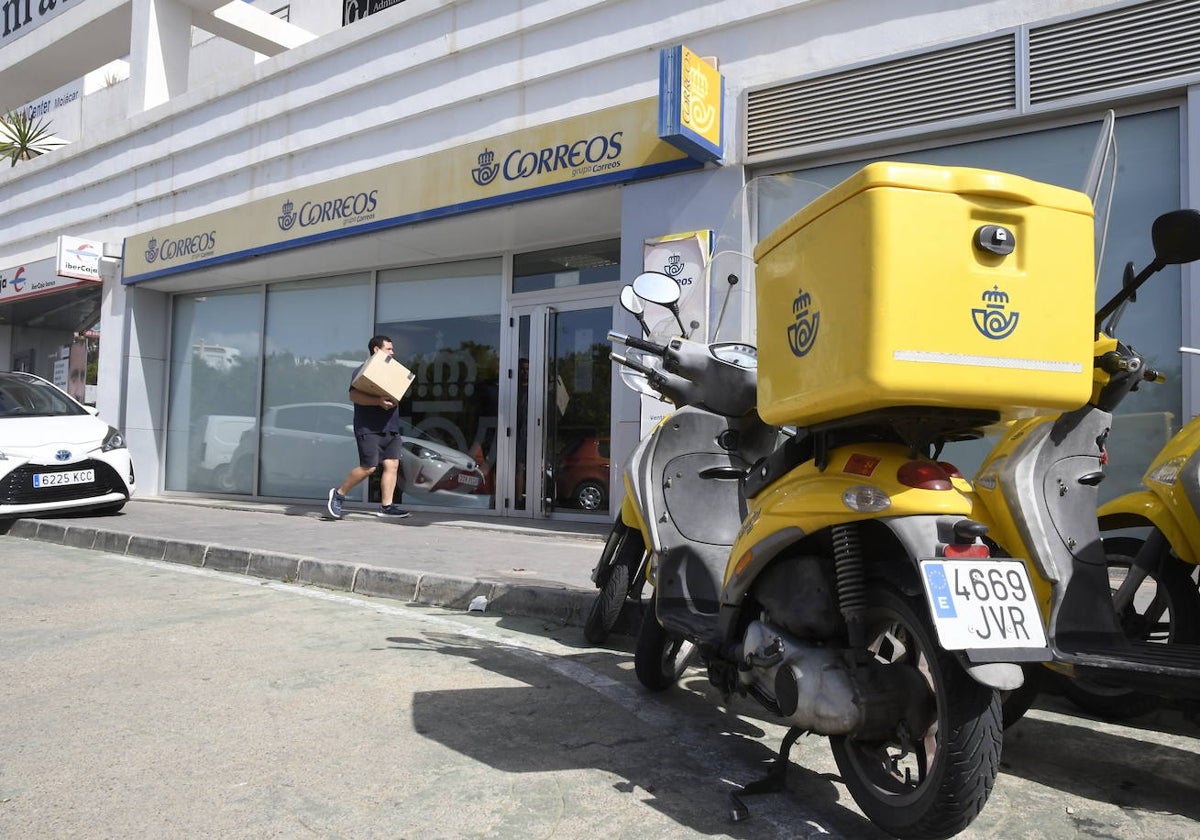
x=916, y=90
x=17, y=488
x=1129, y=46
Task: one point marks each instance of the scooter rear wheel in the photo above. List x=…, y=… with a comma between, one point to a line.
x=927, y=784
x=659, y=659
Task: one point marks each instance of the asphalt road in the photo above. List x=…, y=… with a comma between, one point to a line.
x=144, y=699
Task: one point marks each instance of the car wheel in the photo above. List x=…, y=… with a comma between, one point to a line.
x=590, y=496
x=223, y=479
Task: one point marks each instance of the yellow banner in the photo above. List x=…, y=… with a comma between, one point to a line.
x=611, y=146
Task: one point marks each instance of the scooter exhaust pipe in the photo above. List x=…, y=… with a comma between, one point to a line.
x=817, y=689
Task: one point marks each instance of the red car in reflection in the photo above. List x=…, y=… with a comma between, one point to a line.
x=581, y=474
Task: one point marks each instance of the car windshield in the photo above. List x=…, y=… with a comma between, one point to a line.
x=22, y=396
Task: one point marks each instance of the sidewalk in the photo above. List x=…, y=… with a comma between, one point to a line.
x=438, y=559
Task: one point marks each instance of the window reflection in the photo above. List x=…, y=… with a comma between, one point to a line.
x=574, y=265
x=315, y=339
x=444, y=322
x=214, y=382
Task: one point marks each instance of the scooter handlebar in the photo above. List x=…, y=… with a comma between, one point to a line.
x=675, y=388
x=637, y=343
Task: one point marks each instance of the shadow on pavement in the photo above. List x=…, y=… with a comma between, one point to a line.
x=546, y=724
x=1128, y=772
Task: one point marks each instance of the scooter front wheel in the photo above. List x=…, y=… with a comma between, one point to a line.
x=607, y=606
x=660, y=659
x=1165, y=609
x=930, y=783
x=623, y=557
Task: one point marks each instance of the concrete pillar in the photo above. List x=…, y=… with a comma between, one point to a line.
x=160, y=43
x=132, y=374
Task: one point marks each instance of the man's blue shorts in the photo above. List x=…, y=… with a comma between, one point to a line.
x=374, y=447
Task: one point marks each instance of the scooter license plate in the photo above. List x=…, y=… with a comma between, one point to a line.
x=982, y=604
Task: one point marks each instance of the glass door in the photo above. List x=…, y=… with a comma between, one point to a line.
x=562, y=384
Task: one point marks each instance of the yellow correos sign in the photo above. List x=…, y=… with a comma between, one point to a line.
x=700, y=99
x=691, y=103
x=614, y=145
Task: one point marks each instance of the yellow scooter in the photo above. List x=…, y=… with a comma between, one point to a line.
x=835, y=573
x=1037, y=494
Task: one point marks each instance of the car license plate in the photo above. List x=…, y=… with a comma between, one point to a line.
x=983, y=604
x=469, y=480
x=57, y=479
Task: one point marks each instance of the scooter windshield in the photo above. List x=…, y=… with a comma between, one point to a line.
x=760, y=206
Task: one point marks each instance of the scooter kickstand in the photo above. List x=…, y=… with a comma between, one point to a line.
x=773, y=782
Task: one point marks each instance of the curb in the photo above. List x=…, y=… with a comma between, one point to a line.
x=562, y=605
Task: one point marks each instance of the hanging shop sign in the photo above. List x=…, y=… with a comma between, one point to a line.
x=683, y=257
x=691, y=102
x=615, y=145
x=33, y=280
x=353, y=10
x=79, y=259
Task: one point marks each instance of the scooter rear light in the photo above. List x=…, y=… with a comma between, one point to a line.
x=968, y=551
x=924, y=475
x=950, y=469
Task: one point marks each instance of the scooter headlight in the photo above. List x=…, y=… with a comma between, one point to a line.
x=864, y=498
x=1167, y=473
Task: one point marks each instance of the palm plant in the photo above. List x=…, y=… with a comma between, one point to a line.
x=23, y=137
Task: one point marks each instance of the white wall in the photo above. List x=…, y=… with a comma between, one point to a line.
x=430, y=73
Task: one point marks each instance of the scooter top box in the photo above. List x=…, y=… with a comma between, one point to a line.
x=383, y=376
x=915, y=285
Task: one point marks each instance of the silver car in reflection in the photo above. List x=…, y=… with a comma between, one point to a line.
x=309, y=447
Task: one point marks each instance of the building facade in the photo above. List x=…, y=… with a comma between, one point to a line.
x=477, y=178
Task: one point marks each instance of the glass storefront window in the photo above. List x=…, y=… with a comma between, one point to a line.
x=575, y=265
x=211, y=423
x=316, y=337
x=444, y=322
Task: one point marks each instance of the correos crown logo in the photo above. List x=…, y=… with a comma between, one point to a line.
x=802, y=333
x=991, y=320
x=487, y=170
x=152, y=250
x=674, y=265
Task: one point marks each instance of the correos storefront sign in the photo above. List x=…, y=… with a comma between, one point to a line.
x=611, y=146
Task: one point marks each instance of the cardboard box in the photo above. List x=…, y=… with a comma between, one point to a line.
x=880, y=294
x=383, y=376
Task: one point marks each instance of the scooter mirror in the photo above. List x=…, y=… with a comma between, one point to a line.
x=1176, y=237
x=656, y=287
x=630, y=302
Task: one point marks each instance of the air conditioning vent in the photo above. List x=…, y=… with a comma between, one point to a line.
x=948, y=84
x=1128, y=46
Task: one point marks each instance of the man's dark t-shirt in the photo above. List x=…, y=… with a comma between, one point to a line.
x=373, y=418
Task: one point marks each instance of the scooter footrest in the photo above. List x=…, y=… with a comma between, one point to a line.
x=1140, y=659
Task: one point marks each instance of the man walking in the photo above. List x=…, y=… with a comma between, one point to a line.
x=377, y=432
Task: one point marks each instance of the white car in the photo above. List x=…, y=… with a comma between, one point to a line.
x=56, y=454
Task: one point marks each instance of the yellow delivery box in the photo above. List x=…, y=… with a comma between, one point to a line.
x=383, y=376
x=914, y=285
